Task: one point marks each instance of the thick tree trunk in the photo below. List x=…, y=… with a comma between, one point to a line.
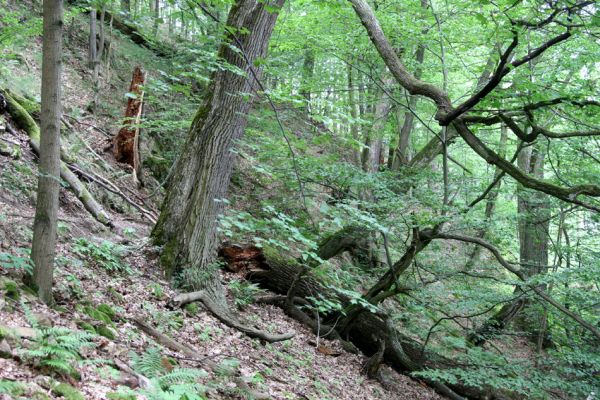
x=46, y=211
x=534, y=221
x=187, y=226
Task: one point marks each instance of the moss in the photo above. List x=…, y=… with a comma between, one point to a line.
x=12, y=290
x=86, y=326
x=30, y=106
x=105, y=331
x=120, y=396
x=40, y=396
x=67, y=391
x=22, y=117
x=273, y=256
x=108, y=310
x=168, y=258
x=97, y=315
x=192, y=308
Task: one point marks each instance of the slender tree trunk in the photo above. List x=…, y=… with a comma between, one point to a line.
x=308, y=70
x=374, y=139
x=156, y=16
x=46, y=210
x=353, y=115
x=402, y=156
x=490, y=204
x=92, y=49
x=187, y=226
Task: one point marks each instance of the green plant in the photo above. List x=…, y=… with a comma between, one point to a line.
x=244, y=292
x=20, y=261
x=106, y=255
x=11, y=388
x=157, y=291
x=55, y=348
x=166, y=381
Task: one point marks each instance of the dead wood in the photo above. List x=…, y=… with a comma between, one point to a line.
x=126, y=142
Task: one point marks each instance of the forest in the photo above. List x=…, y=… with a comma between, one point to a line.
x=301, y=199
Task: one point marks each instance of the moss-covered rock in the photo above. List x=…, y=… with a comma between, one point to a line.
x=67, y=391
x=105, y=331
x=108, y=310
x=97, y=315
x=11, y=290
x=86, y=326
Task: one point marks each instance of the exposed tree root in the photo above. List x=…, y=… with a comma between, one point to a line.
x=226, y=318
x=193, y=354
x=24, y=120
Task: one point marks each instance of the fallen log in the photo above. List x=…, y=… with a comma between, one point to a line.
x=26, y=122
x=366, y=331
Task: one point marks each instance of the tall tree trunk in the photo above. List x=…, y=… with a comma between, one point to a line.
x=187, y=226
x=374, y=139
x=308, y=69
x=46, y=211
x=490, y=204
x=534, y=221
x=156, y=16
x=353, y=115
x=402, y=156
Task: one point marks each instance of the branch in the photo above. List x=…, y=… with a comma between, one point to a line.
x=510, y=267
x=563, y=193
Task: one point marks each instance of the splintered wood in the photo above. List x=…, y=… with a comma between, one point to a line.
x=126, y=142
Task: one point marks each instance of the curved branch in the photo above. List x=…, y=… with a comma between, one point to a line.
x=563, y=193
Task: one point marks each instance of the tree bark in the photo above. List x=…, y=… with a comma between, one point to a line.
x=187, y=226
x=43, y=247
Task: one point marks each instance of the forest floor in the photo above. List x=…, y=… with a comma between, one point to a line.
x=300, y=368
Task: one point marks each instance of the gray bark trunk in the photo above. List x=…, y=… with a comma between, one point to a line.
x=187, y=226
x=46, y=212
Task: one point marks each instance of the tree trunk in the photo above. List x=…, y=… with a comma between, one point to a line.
x=354, y=115
x=308, y=69
x=46, y=211
x=126, y=142
x=534, y=221
x=187, y=226
x=374, y=138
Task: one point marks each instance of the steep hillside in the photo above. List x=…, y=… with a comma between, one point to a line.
x=95, y=343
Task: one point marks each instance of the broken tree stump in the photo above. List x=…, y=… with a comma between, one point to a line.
x=126, y=142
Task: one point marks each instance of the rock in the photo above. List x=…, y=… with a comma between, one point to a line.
x=67, y=391
x=24, y=332
x=128, y=380
x=43, y=319
x=5, y=350
x=105, y=331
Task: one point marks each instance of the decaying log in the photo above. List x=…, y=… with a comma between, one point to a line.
x=226, y=318
x=166, y=341
x=368, y=331
x=126, y=142
x=25, y=121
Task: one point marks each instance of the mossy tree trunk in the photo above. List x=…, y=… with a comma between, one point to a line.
x=187, y=226
x=46, y=211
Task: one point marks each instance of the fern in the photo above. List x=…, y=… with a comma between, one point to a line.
x=150, y=363
x=178, y=384
x=57, y=348
x=11, y=388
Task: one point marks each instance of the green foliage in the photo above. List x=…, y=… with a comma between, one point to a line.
x=55, y=348
x=11, y=388
x=11, y=289
x=106, y=255
x=244, y=292
x=20, y=261
x=167, y=382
